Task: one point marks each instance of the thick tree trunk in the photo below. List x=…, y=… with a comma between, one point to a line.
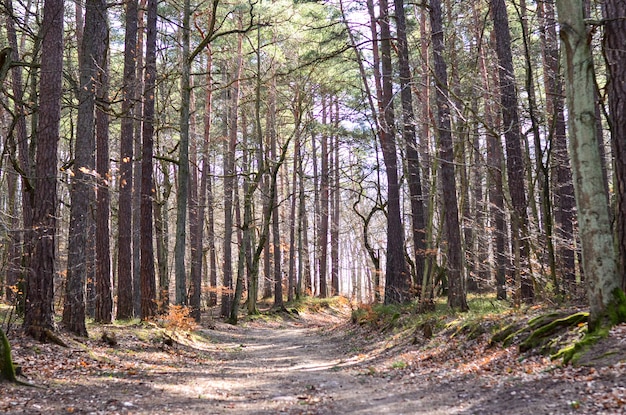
x=103, y=279
x=82, y=190
x=39, y=310
x=456, y=280
x=599, y=256
x=125, y=208
x=396, y=273
x=514, y=156
x=412, y=156
x=614, y=12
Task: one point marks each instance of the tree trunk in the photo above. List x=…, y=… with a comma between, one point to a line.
x=335, y=202
x=456, y=280
x=599, y=256
x=562, y=177
x=276, y=238
x=138, y=150
x=546, y=223
x=82, y=189
x=514, y=156
x=294, y=282
x=148, y=282
x=22, y=258
x=614, y=12
x=125, y=208
x=412, y=156
x=161, y=231
x=206, y=186
x=183, y=163
x=396, y=273
x=229, y=184
x=103, y=280
x=39, y=311
x=324, y=196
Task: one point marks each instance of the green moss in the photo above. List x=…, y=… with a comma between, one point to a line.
x=538, y=336
x=7, y=370
x=573, y=352
x=617, y=307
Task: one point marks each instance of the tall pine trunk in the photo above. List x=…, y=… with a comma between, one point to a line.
x=82, y=188
x=125, y=208
x=39, y=309
x=413, y=174
x=456, y=280
x=103, y=279
x=148, y=282
x=615, y=53
x=182, y=193
x=396, y=273
x=514, y=155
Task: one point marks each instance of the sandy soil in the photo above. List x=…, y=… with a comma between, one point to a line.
x=302, y=365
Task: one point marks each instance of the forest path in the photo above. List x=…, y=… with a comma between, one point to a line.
x=316, y=364
x=297, y=366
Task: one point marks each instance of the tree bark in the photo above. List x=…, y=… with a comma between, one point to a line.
x=412, y=155
x=324, y=196
x=206, y=187
x=148, y=282
x=599, y=255
x=22, y=257
x=564, y=202
x=456, y=280
x=182, y=193
x=39, y=309
x=124, y=216
x=229, y=183
x=614, y=12
x=138, y=150
x=514, y=156
x=83, y=180
x=103, y=279
x=396, y=273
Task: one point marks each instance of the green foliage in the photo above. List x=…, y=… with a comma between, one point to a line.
x=399, y=365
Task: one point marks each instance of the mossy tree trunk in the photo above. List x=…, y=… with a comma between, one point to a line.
x=7, y=371
x=599, y=256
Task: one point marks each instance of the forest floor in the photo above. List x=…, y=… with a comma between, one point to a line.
x=307, y=362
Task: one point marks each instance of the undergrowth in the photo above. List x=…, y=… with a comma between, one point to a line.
x=393, y=316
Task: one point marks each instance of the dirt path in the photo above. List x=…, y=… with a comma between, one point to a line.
x=297, y=366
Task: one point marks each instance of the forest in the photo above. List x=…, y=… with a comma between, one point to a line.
x=219, y=156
